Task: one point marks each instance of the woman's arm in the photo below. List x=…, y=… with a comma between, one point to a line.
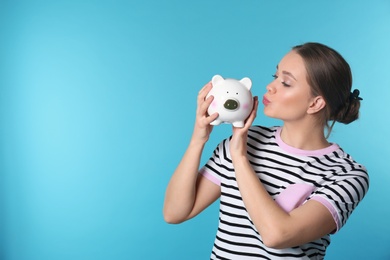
x=188, y=193
x=277, y=228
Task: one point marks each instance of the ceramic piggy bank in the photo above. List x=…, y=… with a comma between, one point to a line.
x=233, y=100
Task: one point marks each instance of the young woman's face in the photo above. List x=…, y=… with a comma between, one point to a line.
x=288, y=96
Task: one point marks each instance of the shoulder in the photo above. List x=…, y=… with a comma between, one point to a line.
x=345, y=173
x=339, y=156
x=349, y=167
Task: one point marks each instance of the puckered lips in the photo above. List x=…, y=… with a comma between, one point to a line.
x=266, y=101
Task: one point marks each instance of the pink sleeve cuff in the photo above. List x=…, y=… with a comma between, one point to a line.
x=331, y=209
x=210, y=177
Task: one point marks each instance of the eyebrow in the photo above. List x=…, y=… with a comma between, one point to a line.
x=287, y=73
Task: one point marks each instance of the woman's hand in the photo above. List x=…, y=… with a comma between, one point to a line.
x=238, y=142
x=202, y=127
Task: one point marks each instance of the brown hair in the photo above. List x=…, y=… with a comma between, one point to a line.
x=329, y=76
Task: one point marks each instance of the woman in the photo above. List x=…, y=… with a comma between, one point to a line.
x=283, y=190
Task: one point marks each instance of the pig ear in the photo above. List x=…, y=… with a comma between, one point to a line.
x=246, y=82
x=216, y=79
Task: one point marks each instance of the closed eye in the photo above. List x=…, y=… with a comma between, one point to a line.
x=283, y=83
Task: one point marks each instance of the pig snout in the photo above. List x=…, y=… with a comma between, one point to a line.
x=231, y=104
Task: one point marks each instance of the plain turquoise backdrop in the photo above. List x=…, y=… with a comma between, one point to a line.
x=97, y=103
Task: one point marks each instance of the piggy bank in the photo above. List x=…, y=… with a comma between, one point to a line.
x=233, y=100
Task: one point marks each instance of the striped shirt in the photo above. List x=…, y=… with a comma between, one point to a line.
x=292, y=177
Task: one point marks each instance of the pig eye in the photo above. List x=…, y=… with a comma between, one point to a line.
x=237, y=93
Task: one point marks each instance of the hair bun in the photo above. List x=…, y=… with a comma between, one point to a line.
x=350, y=112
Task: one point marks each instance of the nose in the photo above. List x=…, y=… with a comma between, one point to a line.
x=231, y=104
x=270, y=88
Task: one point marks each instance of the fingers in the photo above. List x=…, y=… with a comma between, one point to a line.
x=202, y=111
x=203, y=102
x=205, y=86
x=204, y=91
x=251, y=117
x=253, y=114
x=211, y=118
x=204, y=105
x=255, y=106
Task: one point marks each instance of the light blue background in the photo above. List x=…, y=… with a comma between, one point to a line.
x=97, y=105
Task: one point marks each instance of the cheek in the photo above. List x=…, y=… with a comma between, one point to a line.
x=214, y=104
x=293, y=100
x=293, y=107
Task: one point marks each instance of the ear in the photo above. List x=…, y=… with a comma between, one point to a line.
x=316, y=105
x=216, y=79
x=246, y=82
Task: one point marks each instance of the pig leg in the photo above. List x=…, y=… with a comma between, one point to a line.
x=238, y=124
x=216, y=122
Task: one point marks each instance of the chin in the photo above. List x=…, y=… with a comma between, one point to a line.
x=268, y=113
x=272, y=115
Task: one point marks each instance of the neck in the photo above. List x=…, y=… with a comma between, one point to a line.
x=304, y=136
